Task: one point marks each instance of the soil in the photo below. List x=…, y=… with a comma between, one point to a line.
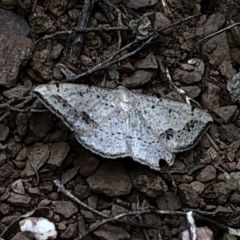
x=36, y=148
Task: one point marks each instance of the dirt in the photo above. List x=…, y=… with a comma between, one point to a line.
x=37, y=148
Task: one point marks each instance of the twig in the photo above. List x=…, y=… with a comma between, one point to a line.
x=63, y=190
x=216, y=33
x=134, y=213
x=108, y=62
x=82, y=23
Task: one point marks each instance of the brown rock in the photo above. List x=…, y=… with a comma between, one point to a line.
x=211, y=98
x=222, y=191
x=59, y=151
x=65, y=208
x=20, y=236
x=21, y=122
x=152, y=186
x=213, y=23
x=40, y=124
x=188, y=196
x=70, y=232
x=88, y=164
x=191, y=72
x=227, y=236
x=161, y=21
x=169, y=201
x=42, y=63
x=4, y=208
x=127, y=68
x=88, y=216
x=230, y=132
x=69, y=175
x=18, y=187
x=37, y=155
x=15, y=50
x=19, y=91
x=11, y=23
x=57, y=7
x=136, y=4
x=217, y=51
x=110, y=179
x=19, y=200
x=4, y=131
x=149, y=62
x=34, y=191
x=110, y=232
x=139, y=78
x=192, y=91
x=198, y=187
x=207, y=174
x=225, y=112
x=6, y=171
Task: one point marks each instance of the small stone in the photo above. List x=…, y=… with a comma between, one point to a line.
x=18, y=187
x=15, y=50
x=151, y=186
x=136, y=4
x=192, y=91
x=226, y=112
x=22, y=123
x=188, y=196
x=139, y=78
x=21, y=236
x=3, y=158
x=192, y=74
x=227, y=236
x=214, y=22
x=59, y=151
x=110, y=232
x=110, y=179
x=19, y=91
x=230, y=132
x=4, y=131
x=19, y=200
x=65, y=208
x=37, y=155
x=42, y=63
x=4, y=208
x=40, y=124
x=127, y=68
x=198, y=187
x=69, y=175
x=207, y=174
x=70, y=232
x=22, y=155
x=62, y=226
x=88, y=216
x=161, y=21
x=57, y=7
x=34, y=191
x=211, y=98
x=11, y=23
x=88, y=164
x=169, y=201
x=149, y=62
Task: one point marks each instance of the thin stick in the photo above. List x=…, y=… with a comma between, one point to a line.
x=63, y=190
x=216, y=33
x=108, y=63
x=82, y=23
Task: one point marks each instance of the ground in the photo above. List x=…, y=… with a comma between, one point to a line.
x=37, y=148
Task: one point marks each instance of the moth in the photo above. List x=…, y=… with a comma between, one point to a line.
x=117, y=123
